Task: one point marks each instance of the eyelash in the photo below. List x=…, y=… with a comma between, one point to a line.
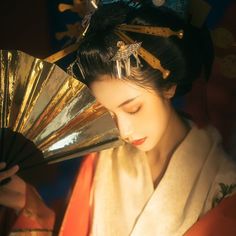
x=131, y=113
x=136, y=111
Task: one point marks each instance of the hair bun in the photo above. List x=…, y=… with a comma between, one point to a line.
x=108, y=16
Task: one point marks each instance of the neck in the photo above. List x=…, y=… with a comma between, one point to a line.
x=161, y=154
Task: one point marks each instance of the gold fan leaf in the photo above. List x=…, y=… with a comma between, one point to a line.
x=44, y=108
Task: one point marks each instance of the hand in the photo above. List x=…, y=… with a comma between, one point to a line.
x=13, y=192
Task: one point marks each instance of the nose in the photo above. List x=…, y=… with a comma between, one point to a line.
x=125, y=127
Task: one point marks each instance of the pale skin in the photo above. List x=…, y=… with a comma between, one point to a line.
x=143, y=113
x=140, y=114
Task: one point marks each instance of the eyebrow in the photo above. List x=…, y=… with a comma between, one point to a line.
x=127, y=101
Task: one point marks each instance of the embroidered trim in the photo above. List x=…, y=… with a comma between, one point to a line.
x=225, y=191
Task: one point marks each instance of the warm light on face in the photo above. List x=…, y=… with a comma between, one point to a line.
x=140, y=114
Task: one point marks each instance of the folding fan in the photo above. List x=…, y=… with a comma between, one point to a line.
x=46, y=115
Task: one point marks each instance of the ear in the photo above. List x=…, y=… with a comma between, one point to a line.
x=170, y=92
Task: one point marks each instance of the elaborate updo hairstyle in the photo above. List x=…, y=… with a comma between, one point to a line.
x=185, y=58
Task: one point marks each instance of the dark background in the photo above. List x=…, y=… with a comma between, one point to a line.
x=30, y=26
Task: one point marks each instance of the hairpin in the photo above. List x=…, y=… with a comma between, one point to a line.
x=122, y=56
x=147, y=56
x=94, y=4
x=128, y=47
x=152, y=30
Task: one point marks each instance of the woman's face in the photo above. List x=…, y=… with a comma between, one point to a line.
x=141, y=115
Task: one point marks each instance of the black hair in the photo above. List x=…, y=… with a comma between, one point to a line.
x=185, y=58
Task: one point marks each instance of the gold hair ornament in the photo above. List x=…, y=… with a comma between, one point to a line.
x=128, y=47
x=148, y=57
x=152, y=30
x=122, y=57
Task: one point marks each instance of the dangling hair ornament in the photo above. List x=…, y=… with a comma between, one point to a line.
x=86, y=20
x=127, y=47
x=122, y=57
x=70, y=69
x=85, y=24
x=147, y=56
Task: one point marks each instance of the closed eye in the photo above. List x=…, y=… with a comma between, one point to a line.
x=135, y=111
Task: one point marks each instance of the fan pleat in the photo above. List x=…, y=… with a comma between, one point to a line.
x=46, y=115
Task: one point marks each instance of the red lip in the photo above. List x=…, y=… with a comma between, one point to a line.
x=138, y=142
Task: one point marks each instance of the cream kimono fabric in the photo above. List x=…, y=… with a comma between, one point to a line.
x=126, y=203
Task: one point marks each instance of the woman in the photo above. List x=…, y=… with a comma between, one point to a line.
x=169, y=177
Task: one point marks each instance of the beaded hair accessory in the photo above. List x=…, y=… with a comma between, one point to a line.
x=129, y=47
x=122, y=57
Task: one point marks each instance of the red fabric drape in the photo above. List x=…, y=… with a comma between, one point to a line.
x=220, y=221
x=77, y=217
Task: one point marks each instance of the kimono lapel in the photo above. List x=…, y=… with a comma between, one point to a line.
x=180, y=196
x=122, y=186
x=125, y=202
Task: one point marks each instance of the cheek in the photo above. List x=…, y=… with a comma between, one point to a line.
x=156, y=120
x=153, y=127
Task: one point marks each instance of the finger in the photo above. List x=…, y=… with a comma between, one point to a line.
x=9, y=172
x=5, y=181
x=12, y=199
x=2, y=165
